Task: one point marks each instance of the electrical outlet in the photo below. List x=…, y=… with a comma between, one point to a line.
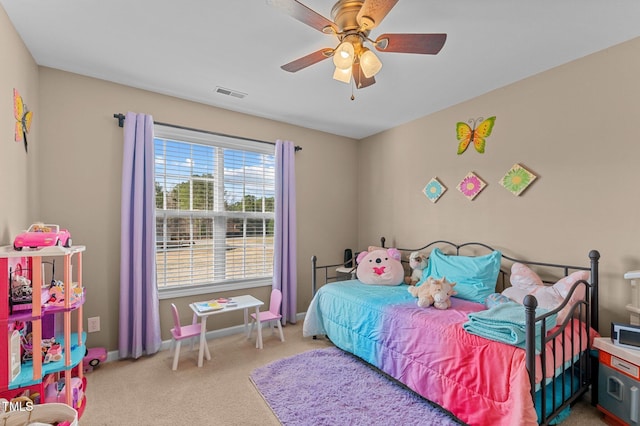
x=93, y=324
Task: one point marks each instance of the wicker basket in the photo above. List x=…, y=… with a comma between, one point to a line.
x=52, y=413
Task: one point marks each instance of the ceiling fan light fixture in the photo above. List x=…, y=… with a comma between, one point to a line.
x=352, y=22
x=342, y=75
x=370, y=63
x=343, y=55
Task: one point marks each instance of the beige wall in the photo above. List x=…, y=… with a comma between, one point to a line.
x=77, y=144
x=574, y=126
x=18, y=190
x=77, y=116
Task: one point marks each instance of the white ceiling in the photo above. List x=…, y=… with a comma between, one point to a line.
x=185, y=48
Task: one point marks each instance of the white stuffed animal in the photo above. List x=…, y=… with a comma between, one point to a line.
x=417, y=262
x=436, y=292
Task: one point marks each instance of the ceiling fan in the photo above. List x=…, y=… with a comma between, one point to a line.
x=352, y=22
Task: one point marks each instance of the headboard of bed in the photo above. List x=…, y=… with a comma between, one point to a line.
x=549, y=272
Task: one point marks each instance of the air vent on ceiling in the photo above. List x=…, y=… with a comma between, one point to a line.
x=230, y=92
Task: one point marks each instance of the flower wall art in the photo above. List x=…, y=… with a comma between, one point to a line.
x=471, y=185
x=517, y=179
x=434, y=190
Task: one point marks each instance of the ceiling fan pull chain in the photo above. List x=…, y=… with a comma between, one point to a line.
x=352, y=96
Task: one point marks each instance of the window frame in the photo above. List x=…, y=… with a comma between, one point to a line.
x=181, y=134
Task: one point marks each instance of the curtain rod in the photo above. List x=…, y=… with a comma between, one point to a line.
x=120, y=117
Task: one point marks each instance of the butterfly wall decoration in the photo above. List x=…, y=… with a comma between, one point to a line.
x=467, y=134
x=23, y=118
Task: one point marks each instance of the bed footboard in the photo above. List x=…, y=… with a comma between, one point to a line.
x=573, y=374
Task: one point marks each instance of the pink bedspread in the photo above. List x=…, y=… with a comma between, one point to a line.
x=480, y=381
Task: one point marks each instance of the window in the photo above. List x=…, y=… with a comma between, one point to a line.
x=214, y=212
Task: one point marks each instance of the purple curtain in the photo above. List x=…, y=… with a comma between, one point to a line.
x=284, y=245
x=139, y=314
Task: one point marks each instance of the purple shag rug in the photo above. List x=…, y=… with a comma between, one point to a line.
x=331, y=387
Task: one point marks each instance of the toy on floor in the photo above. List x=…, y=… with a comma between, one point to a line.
x=93, y=358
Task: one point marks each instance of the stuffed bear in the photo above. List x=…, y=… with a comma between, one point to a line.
x=436, y=292
x=380, y=267
x=417, y=262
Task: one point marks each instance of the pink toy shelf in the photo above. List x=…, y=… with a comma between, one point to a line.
x=41, y=358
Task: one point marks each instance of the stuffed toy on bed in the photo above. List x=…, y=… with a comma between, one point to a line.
x=436, y=292
x=524, y=281
x=380, y=267
x=418, y=262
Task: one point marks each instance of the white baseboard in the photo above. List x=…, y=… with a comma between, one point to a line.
x=213, y=334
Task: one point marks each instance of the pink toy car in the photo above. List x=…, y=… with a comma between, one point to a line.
x=42, y=235
x=93, y=358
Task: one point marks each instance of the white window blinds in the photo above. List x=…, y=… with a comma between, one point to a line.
x=214, y=209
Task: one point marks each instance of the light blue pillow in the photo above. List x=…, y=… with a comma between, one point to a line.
x=475, y=276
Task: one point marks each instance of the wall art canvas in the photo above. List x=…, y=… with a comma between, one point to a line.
x=434, y=190
x=472, y=132
x=517, y=179
x=471, y=185
x=23, y=118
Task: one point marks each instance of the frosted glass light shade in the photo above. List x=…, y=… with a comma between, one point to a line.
x=370, y=63
x=342, y=75
x=343, y=55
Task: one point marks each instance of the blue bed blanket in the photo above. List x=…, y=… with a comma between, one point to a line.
x=506, y=323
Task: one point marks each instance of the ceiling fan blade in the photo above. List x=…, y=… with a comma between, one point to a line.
x=429, y=44
x=308, y=60
x=373, y=12
x=360, y=79
x=305, y=15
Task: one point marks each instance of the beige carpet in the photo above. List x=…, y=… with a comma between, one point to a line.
x=148, y=392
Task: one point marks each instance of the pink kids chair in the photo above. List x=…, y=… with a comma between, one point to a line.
x=271, y=316
x=180, y=333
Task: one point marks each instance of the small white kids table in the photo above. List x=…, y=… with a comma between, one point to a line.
x=244, y=302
